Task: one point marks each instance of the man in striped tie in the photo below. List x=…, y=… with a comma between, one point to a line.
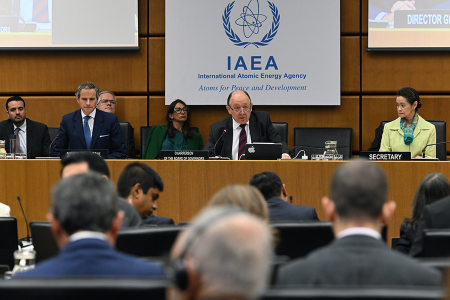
x=227, y=138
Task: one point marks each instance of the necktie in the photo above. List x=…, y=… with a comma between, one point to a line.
x=87, y=132
x=16, y=132
x=242, y=141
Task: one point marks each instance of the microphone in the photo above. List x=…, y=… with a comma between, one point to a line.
x=50, y=147
x=218, y=141
x=28, y=232
x=423, y=151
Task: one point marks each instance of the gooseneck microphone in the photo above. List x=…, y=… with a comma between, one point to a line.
x=423, y=151
x=215, y=154
x=26, y=222
x=50, y=152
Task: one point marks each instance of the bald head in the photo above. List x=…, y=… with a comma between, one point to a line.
x=358, y=189
x=241, y=240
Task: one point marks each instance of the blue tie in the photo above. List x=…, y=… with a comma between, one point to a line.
x=87, y=132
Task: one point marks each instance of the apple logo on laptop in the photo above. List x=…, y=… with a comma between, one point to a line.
x=251, y=149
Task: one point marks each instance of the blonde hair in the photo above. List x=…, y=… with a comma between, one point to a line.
x=246, y=197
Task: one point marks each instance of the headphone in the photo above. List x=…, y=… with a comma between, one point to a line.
x=179, y=274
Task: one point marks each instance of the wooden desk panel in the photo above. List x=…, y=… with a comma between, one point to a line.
x=190, y=185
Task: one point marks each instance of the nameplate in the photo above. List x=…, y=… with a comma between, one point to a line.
x=422, y=18
x=184, y=155
x=373, y=155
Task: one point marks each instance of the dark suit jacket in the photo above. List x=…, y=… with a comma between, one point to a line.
x=280, y=210
x=377, y=141
x=434, y=216
x=358, y=260
x=261, y=130
x=38, y=139
x=92, y=257
x=406, y=239
x=107, y=134
x=152, y=219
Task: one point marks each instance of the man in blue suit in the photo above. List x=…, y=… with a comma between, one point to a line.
x=90, y=128
x=276, y=196
x=85, y=220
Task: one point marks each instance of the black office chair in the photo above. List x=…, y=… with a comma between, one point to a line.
x=53, y=132
x=436, y=242
x=8, y=240
x=147, y=241
x=43, y=241
x=441, y=264
x=125, y=126
x=282, y=129
x=441, y=136
x=86, y=288
x=312, y=140
x=352, y=292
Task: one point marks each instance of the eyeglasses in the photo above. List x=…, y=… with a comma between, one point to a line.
x=245, y=109
x=178, y=110
x=105, y=101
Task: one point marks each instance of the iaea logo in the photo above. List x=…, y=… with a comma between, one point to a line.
x=251, y=22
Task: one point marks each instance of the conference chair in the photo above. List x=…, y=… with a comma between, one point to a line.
x=312, y=140
x=8, y=240
x=352, y=292
x=144, y=134
x=282, y=129
x=86, y=289
x=147, y=241
x=441, y=264
x=53, y=132
x=436, y=242
x=441, y=136
x=43, y=241
x=125, y=126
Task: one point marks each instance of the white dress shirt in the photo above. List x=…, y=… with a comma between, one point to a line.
x=359, y=231
x=236, y=132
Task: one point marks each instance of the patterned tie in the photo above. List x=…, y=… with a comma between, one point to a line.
x=40, y=11
x=16, y=132
x=242, y=141
x=87, y=132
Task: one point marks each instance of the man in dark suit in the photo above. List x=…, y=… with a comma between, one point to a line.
x=85, y=220
x=274, y=191
x=242, y=127
x=33, y=137
x=434, y=216
x=107, y=102
x=140, y=185
x=358, y=256
x=90, y=128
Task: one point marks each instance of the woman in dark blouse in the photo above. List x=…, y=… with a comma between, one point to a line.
x=433, y=187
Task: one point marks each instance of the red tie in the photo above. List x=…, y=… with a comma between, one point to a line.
x=40, y=11
x=242, y=141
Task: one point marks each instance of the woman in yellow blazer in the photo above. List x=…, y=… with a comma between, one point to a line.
x=409, y=132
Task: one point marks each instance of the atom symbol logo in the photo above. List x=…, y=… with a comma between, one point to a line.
x=250, y=22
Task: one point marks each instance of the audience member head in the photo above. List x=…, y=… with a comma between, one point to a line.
x=84, y=202
x=87, y=95
x=107, y=102
x=270, y=185
x=245, y=197
x=178, y=112
x=16, y=111
x=83, y=162
x=140, y=185
x=358, y=192
x=219, y=235
x=433, y=187
x=239, y=106
x=411, y=96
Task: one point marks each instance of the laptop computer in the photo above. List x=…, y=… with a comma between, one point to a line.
x=263, y=151
x=103, y=153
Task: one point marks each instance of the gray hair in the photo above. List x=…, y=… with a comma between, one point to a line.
x=85, y=201
x=87, y=86
x=105, y=92
x=233, y=253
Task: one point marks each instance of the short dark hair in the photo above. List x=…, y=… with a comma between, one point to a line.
x=94, y=161
x=358, y=190
x=138, y=173
x=268, y=183
x=84, y=202
x=231, y=94
x=14, y=98
x=410, y=95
